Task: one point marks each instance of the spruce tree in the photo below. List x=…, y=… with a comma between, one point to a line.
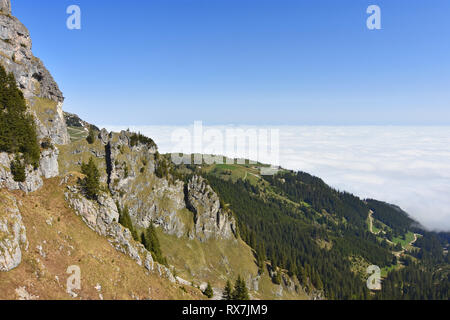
x=17, y=127
x=227, y=291
x=91, y=182
x=151, y=243
x=240, y=290
x=18, y=170
x=91, y=136
x=125, y=221
x=209, y=291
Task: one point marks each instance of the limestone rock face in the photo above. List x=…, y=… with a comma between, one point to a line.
x=32, y=77
x=44, y=100
x=12, y=234
x=133, y=183
x=211, y=221
x=102, y=216
x=48, y=164
x=48, y=168
x=180, y=210
x=33, y=180
x=5, y=6
x=98, y=215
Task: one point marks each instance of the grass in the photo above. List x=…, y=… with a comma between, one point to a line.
x=386, y=270
x=409, y=237
x=217, y=261
x=72, y=155
x=77, y=134
x=46, y=109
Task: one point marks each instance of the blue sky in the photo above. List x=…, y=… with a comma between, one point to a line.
x=170, y=62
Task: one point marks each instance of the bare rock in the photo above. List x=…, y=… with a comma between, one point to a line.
x=5, y=6
x=32, y=182
x=32, y=77
x=211, y=221
x=12, y=234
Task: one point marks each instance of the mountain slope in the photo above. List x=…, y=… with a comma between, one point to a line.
x=153, y=230
x=57, y=239
x=323, y=235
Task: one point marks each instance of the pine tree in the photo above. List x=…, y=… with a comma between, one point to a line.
x=151, y=243
x=240, y=290
x=91, y=136
x=17, y=127
x=18, y=170
x=227, y=291
x=126, y=222
x=277, y=278
x=91, y=182
x=261, y=257
x=209, y=291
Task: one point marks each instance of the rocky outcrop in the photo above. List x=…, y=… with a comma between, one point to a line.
x=73, y=120
x=211, y=221
x=48, y=164
x=32, y=77
x=102, y=216
x=133, y=183
x=33, y=177
x=12, y=234
x=48, y=168
x=98, y=215
x=5, y=6
x=43, y=97
x=192, y=210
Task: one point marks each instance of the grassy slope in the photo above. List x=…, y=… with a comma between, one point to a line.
x=77, y=134
x=72, y=155
x=68, y=241
x=217, y=262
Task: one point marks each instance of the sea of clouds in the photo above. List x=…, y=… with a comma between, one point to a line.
x=406, y=166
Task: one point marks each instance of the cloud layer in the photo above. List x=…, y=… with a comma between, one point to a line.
x=406, y=166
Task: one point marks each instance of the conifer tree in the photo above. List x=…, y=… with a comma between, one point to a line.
x=151, y=243
x=240, y=290
x=91, y=182
x=227, y=291
x=209, y=291
x=17, y=127
x=91, y=136
x=125, y=220
x=18, y=170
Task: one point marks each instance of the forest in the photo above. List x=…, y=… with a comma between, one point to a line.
x=290, y=237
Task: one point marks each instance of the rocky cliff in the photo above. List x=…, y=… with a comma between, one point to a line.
x=102, y=216
x=43, y=97
x=211, y=221
x=38, y=86
x=191, y=210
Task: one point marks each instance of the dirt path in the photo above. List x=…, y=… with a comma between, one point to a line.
x=371, y=222
x=399, y=253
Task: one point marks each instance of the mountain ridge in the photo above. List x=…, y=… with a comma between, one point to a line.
x=289, y=236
